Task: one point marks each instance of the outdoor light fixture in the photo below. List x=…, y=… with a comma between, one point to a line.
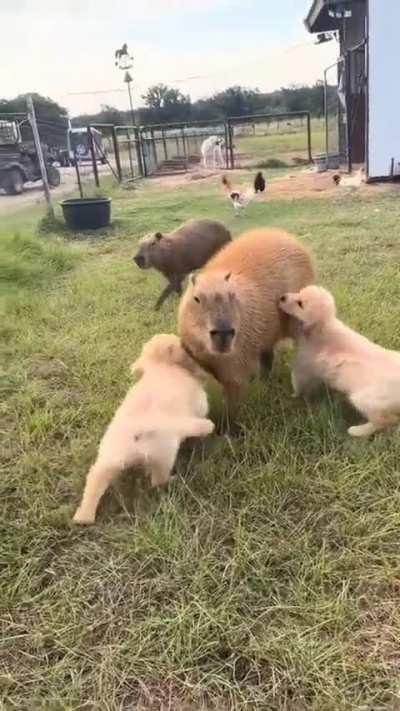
x=339, y=11
x=323, y=37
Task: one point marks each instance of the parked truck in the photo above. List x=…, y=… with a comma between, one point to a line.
x=19, y=163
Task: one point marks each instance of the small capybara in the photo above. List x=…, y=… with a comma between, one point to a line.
x=178, y=253
x=229, y=317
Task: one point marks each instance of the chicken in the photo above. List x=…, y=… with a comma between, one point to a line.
x=239, y=198
x=259, y=183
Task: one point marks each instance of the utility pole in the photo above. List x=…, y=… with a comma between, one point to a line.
x=128, y=81
x=38, y=146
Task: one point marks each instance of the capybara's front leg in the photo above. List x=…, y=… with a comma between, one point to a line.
x=266, y=362
x=233, y=395
x=177, y=282
x=164, y=295
x=98, y=480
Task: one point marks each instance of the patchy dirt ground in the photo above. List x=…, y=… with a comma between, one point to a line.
x=296, y=185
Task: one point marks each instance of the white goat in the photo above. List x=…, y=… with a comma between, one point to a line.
x=211, y=151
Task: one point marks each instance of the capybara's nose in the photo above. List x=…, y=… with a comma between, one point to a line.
x=139, y=261
x=222, y=336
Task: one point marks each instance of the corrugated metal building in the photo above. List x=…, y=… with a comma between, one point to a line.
x=368, y=79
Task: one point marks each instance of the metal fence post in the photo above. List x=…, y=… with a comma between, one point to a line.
x=93, y=154
x=326, y=114
x=226, y=145
x=164, y=144
x=348, y=57
x=309, y=147
x=144, y=154
x=139, y=152
x=128, y=140
x=232, y=157
x=184, y=145
x=116, y=153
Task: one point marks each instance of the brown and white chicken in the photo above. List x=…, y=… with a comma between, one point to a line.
x=239, y=198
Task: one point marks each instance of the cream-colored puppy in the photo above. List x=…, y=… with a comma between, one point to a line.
x=331, y=352
x=166, y=406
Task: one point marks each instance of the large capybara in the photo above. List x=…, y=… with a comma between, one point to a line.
x=229, y=318
x=178, y=253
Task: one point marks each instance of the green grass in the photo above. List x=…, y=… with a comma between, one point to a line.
x=286, y=144
x=267, y=575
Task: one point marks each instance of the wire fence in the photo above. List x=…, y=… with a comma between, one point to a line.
x=130, y=152
x=270, y=140
x=172, y=147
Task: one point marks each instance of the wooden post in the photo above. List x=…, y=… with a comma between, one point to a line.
x=38, y=147
x=93, y=154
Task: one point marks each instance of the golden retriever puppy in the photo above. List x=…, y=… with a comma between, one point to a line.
x=166, y=406
x=331, y=352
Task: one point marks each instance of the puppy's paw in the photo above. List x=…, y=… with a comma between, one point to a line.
x=207, y=427
x=83, y=519
x=362, y=430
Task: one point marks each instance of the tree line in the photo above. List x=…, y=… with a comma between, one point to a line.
x=163, y=104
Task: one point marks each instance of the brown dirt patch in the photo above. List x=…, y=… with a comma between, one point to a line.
x=294, y=186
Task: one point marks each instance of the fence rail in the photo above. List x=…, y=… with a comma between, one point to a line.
x=132, y=152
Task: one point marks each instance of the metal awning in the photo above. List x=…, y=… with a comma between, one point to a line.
x=319, y=19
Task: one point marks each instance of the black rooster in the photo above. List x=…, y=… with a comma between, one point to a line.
x=259, y=183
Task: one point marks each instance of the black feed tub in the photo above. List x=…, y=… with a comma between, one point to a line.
x=87, y=213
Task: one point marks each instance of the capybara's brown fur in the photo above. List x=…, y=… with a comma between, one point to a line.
x=229, y=317
x=178, y=253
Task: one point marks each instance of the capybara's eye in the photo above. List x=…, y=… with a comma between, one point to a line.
x=197, y=300
x=300, y=303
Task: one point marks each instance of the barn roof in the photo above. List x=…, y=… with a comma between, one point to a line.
x=318, y=18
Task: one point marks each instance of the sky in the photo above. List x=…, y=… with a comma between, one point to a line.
x=65, y=48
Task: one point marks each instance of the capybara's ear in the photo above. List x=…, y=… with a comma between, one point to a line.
x=192, y=279
x=158, y=236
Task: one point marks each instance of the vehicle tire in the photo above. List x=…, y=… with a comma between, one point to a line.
x=14, y=182
x=53, y=176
